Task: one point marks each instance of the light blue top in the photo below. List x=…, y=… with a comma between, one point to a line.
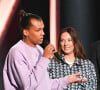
x=26, y=69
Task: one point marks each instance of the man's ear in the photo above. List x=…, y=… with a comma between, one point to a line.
x=25, y=32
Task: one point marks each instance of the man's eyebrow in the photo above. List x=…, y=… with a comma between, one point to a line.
x=39, y=28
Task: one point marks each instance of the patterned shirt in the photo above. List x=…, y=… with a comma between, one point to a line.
x=62, y=69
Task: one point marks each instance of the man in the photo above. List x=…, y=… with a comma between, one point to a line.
x=95, y=58
x=26, y=64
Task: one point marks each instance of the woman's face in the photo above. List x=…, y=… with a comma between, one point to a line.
x=66, y=43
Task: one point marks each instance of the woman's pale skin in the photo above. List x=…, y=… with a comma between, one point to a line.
x=67, y=46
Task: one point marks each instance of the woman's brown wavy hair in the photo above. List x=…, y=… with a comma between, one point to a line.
x=78, y=48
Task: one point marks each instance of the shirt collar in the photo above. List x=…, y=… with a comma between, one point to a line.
x=77, y=60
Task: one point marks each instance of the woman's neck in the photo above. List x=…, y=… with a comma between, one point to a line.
x=69, y=58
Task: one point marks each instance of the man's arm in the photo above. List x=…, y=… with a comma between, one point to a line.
x=61, y=83
x=17, y=74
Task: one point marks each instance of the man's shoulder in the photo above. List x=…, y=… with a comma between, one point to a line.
x=96, y=44
x=16, y=47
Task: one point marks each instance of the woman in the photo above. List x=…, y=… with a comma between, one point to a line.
x=73, y=60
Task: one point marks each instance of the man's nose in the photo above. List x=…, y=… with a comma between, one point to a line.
x=43, y=33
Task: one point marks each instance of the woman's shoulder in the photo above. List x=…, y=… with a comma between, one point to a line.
x=55, y=62
x=87, y=61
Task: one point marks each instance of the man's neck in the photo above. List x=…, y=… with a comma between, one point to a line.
x=29, y=43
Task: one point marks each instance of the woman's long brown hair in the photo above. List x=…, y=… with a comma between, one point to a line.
x=78, y=48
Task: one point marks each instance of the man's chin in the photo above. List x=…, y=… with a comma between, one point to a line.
x=40, y=42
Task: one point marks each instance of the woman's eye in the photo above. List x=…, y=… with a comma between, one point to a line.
x=69, y=40
x=62, y=40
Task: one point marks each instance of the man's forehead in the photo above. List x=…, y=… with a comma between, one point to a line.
x=35, y=22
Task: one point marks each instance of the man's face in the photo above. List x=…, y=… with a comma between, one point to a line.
x=35, y=33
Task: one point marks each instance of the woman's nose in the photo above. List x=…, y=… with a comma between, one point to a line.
x=66, y=42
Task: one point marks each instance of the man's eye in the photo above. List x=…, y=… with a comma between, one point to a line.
x=38, y=30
